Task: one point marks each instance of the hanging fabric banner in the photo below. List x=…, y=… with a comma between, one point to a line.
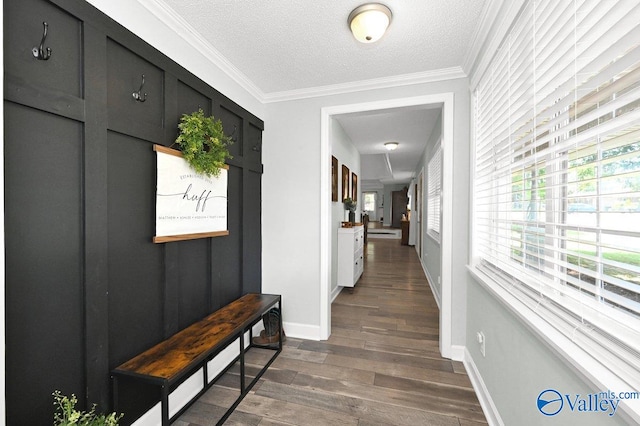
x=189, y=205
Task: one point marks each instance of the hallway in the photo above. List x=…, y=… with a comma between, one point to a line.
x=381, y=365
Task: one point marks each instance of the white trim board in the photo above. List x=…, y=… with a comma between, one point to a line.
x=336, y=292
x=484, y=397
x=434, y=289
x=302, y=331
x=357, y=86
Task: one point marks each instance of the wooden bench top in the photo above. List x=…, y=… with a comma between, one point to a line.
x=185, y=349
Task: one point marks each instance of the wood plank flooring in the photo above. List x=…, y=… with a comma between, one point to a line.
x=381, y=365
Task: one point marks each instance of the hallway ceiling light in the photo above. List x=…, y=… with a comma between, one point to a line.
x=391, y=145
x=369, y=22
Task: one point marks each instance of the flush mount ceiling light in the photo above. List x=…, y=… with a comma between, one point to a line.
x=391, y=145
x=369, y=22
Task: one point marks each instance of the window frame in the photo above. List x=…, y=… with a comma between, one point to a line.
x=542, y=308
x=434, y=193
x=364, y=200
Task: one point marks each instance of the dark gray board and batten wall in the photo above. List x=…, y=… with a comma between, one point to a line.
x=86, y=289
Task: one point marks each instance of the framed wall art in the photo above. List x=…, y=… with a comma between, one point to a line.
x=334, y=178
x=354, y=187
x=345, y=182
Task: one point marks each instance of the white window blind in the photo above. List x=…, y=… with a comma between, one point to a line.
x=557, y=172
x=434, y=193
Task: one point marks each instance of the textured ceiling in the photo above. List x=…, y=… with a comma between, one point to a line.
x=410, y=127
x=290, y=48
x=291, y=45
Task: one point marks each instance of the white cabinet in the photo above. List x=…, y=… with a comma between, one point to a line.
x=350, y=255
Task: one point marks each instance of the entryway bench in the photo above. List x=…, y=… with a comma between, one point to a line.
x=179, y=358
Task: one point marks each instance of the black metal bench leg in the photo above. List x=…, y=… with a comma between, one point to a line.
x=165, y=405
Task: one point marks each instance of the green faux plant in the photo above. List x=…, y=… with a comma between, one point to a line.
x=66, y=414
x=203, y=143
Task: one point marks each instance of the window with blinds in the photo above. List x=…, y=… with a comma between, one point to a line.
x=434, y=190
x=557, y=172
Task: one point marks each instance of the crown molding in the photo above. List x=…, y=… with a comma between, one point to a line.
x=376, y=83
x=183, y=29
x=488, y=16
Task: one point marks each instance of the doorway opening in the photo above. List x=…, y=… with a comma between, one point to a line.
x=445, y=100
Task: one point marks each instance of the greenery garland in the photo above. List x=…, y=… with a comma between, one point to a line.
x=203, y=143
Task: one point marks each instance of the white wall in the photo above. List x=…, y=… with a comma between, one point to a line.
x=343, y=149
x=292, y=163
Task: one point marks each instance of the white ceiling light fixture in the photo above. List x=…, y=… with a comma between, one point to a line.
x=369, y=22
x=391, y=145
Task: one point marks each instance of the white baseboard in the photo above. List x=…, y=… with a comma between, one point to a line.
x=434, y=290
x=486, y=402
x=302, y=331
x=336, y=291
x=458, y=353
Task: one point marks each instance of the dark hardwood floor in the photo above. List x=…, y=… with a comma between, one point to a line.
x=381, y=365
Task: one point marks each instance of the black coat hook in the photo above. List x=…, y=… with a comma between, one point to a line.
x=40, y=52
x=233, y=135
x=258, y=146
x=139, y=96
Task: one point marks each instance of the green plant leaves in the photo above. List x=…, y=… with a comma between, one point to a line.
x=203, y=143
x=67, y=415
x=350, y=204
